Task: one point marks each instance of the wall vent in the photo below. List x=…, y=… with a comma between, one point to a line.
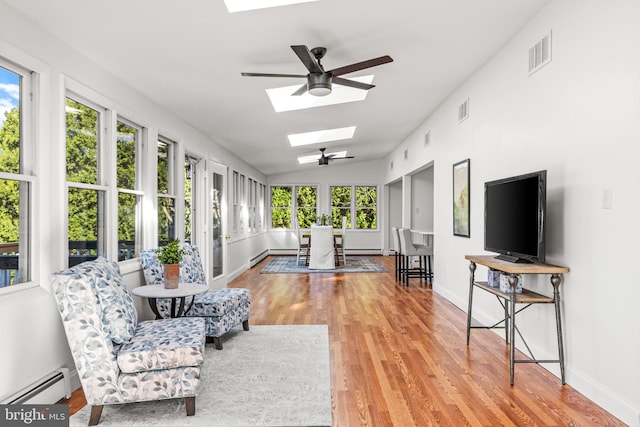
x=463, y=111
x=427, y=138
x=540, y=54
x=406, y=154
x=391, y=165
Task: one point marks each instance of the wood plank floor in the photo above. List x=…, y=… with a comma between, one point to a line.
x=399, y=355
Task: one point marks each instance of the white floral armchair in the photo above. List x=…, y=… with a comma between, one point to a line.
x=222, y=309
x=119, y=359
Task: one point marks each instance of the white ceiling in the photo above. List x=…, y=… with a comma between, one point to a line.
x=187, y=56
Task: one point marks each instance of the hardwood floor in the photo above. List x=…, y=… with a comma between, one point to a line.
x=399, y=355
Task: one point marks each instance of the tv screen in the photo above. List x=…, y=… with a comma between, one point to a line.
x=514, y=216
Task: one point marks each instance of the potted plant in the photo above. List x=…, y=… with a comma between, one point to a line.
x=170, y=256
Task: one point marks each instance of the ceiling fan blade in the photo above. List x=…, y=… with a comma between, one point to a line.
x=300, y=91
x=351, y=83
x=307, y=58
x=360, y=65
x=273, y=75
x=345, y=157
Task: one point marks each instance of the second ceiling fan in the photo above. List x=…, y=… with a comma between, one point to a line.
x=318, y=80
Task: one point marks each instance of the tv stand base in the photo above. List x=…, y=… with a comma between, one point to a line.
x=514, y=259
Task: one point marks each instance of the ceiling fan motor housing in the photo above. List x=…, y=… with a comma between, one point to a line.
x=319, y=84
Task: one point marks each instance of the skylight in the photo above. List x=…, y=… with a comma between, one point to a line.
x=314, y=157
x=319, y=136
x=282, y=100
x=244, y=5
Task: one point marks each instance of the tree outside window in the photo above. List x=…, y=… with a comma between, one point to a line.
x=366, y=207
x=340, y=205
x=306, y=205
x=16, y=183
x=281, y=203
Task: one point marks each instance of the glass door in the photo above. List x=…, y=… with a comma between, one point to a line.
x=217, y=223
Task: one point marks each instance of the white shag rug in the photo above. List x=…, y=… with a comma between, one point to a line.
x=276, y=375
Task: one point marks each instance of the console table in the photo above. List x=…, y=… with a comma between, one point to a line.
x=508, y=300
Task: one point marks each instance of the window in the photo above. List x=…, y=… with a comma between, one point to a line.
x=16, y=175
x=366, y=207
x=235, y=182
x=86, y=198
x=281, y=203
x=166, y=189
x=340, y=205
x=128, y=147
x=190, y=198
x=306, y=205
x=359, y=202
x=261, y=210
x=252, y=205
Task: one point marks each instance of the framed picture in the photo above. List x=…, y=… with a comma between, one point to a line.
x=461, y=194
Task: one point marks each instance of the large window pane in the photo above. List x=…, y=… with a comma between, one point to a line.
x=164, y=156
x=340, y=205
x=14, y=218
x=82, y=143
x=166, y=220
x=128, y=244
x=10, y=121
x=306, y=204
x=281, y=202
x=189, y=197
x=127, y=143
x=366, y=212
x=86, y=224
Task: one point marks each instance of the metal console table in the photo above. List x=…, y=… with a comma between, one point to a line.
x=508, y=300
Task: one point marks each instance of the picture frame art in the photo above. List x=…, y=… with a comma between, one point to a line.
x=461, y=199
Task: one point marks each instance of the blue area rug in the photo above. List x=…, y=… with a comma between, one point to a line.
x=355, y=264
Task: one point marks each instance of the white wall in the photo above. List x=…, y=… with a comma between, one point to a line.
x=356, y=173
x=578, y=118
x=32, y=336
x=422, y=200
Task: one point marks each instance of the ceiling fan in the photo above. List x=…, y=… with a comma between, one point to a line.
x=324, y=159
x=318, y=80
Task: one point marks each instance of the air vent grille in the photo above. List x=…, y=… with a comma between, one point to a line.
x=540, y=54
x=427, y=138
x=463, y=111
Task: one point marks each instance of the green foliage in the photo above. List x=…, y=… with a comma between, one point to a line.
x=281, y=207
x=170, y=253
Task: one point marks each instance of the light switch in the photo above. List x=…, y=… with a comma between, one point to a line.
x=607, y=198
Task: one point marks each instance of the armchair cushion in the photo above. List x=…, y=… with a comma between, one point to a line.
x=118, y=313
x=181, y=343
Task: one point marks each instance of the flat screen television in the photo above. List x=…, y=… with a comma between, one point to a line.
x=514, y=217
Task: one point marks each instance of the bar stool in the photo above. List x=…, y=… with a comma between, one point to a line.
x=408, y=250
x=396, y=251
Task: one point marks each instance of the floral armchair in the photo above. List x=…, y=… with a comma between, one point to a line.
x=119, y=359
x=222, y=309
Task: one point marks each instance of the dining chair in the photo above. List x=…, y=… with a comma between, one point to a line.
x=322, y=248
x=303, y=245
x=340, y=245
x=397, y=252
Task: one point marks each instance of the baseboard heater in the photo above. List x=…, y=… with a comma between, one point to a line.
x=47, y=390
x=256, y=259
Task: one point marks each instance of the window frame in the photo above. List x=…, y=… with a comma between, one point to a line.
x=172, y=184
x=354, y=208
x=26, y=175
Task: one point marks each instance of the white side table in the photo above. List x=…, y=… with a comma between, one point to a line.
x=178, y=296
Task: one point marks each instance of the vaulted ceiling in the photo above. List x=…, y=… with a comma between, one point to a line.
x=188, y=55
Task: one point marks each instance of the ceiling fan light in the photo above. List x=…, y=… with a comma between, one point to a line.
x=319, y=84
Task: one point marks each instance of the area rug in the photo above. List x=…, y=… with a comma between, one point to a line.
x=355, y=264
x=268, y=376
